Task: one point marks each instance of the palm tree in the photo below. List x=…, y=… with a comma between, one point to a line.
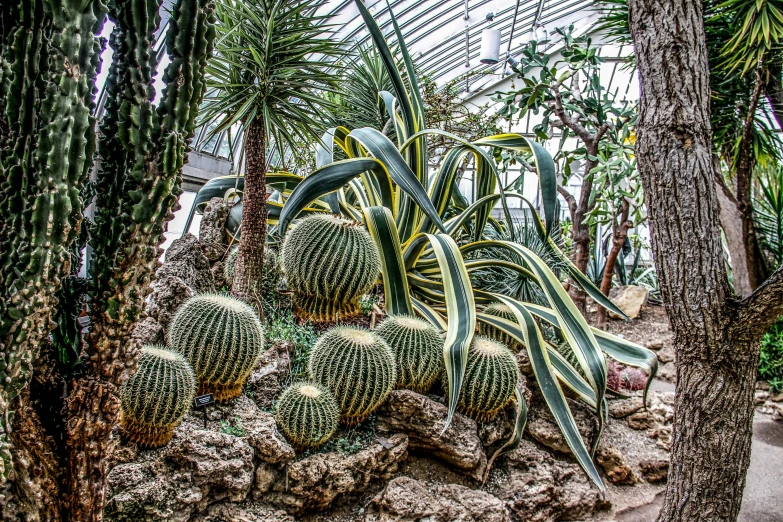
x=273, y=61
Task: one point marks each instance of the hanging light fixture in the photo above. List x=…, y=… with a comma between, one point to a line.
x=490, y=43
x=540, y=34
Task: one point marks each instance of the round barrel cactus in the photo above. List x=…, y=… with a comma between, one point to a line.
x=308, y=414
x=357, y=366
x=491, y=376
x=329, y=263
x=156, y=397
x=222, y=338
x=504, y=312
x=418, y=351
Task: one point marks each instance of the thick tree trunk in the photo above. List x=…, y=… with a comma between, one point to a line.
x=715, y=341
x=250, y=261
x=619, y=235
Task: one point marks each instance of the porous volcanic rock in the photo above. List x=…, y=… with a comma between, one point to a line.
x=266, y=381
x=168, y=294
x=149, y=331
x=409, y=500
x=196, y=469
x=188, y=250
x=614, y=465
x=211, y=231
x=261, y=431
x=542, y=427
x=422, y=420
x=316, y=481
x=655, y=470
x=243, y=512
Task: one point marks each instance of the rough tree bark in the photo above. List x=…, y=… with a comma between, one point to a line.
x=250, y=260
x=620, y=227
x=716, y=336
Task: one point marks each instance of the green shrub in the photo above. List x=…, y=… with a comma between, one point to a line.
x=771, y=361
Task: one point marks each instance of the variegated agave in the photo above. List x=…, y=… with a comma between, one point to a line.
x=426, y=259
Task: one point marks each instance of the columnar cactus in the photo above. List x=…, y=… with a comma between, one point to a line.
x=329, y=263
x=271, y=268
x=308, y=414
x=222, y=338
x=156, y=397
x=418, y=351
x=491, y=376
x=504, y=312
x=357, y=366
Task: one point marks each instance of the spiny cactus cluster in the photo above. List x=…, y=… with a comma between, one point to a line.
x=156, y=397
x=418, y=351
x=308, y=414
x=491, y=376
x=504, y=312
x=357, y=366
x=329, y=263
x=222, y=338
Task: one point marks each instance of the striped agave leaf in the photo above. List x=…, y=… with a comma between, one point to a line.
x=380, y=224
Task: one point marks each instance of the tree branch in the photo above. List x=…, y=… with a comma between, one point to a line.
x=764, y=306
x=570, y=199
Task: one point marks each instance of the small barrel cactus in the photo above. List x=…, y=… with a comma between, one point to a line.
x=308, y=414
x=329, y=263
x=357, y=366
x=504, y=312
x=491, y=376
x=418, y=351
x=222, y=338
x=156, y=397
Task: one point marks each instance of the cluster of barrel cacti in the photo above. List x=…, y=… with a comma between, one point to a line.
x=329, y=263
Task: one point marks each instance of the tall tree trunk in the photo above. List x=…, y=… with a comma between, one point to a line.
x=250, y=260
x=716, y=337
x=619, y=235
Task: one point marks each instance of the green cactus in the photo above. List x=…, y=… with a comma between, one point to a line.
x=308, y=414
x=504, y=312
x=491, y=376
x=357, y=366
x=222, y=338
x=156, y=397
x=418, y=351
x=329, y=263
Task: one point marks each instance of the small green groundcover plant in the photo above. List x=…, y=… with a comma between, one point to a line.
x=771, y=361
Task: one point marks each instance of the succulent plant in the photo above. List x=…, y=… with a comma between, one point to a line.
x=418, y=351
x=329, y=263
x=504, y=312
x=491, y=376
x=357, y=366
x=222, y=338
x=308, y=414
x=157, y=396
x=271, y=268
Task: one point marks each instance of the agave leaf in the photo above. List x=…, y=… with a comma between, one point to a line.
x=430, y=314
x=516, y=436
x=380, y=224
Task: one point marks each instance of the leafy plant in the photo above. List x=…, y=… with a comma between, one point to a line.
x=426, y=238
x=768, y=211
x=771, y=362
x=233, y=428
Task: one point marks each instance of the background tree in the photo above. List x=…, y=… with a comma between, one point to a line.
x=273, y=60
x=716, y=335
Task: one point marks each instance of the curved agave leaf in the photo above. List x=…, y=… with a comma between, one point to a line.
x=455, y=223
x=549, y=385
x=330, y=178
x=461, y=311
x=380, y=224
x=516, y=436
x=430, y=314
x=391, y=108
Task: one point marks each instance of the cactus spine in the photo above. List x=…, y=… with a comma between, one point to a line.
x=222, y=338
x=491, y=376
x=504, y=312
x=357, y=366
x=156, y=397
x=418, y=351
x=308, y=414
x=329, y=263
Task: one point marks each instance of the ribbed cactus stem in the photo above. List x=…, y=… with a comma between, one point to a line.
x=222, y=338
x=491, y=376
x=504, y=312
x=307, y=414
x=156, y=397
x=418, y=351
x=357, y=366
x=329, y=263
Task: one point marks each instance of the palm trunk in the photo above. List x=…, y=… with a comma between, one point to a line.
x=619, y=235
x=716, y=337
x=250, y=261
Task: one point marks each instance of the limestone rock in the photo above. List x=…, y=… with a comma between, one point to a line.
x=654, y=470
x=614, y=465
x=188, y=250
x=422, y=419
x=629, y=299
x=212, y=232
x=266, y=381
x=218, y=274
x=619, y=409
x=666, y=355
x=261, y=432
x=196, y=469
x=542, y=427
x=316, y=481
x=168, y=294
x=149, y=331
x=244, y=512
x=183, y=270
x=408, y=500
